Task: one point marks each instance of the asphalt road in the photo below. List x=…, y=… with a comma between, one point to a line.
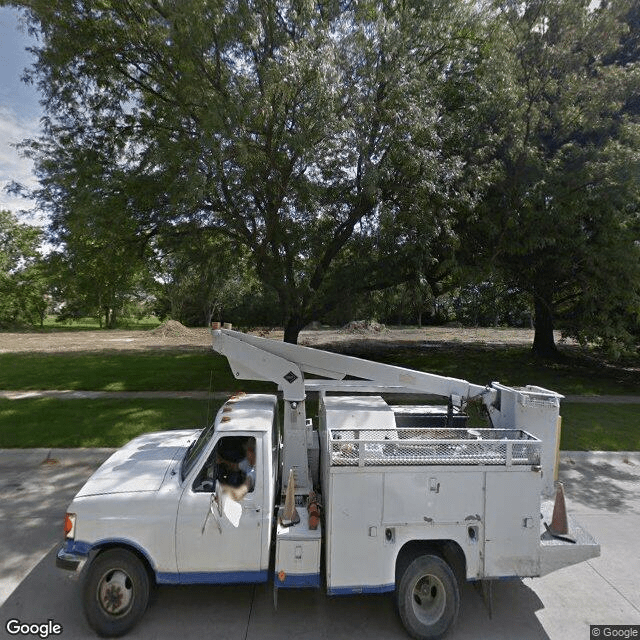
x=603, y=492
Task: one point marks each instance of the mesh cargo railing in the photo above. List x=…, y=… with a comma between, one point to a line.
x=375, y=447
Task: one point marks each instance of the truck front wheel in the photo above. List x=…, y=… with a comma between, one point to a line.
x=116, y=592
x=428, y=597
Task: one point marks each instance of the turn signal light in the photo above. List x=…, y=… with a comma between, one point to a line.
x=70, y=525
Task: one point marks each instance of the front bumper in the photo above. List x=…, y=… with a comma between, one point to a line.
x=70, y=561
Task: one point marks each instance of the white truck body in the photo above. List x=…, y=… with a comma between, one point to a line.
x=398, y=483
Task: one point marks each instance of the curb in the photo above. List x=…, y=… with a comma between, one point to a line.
x=629, y=457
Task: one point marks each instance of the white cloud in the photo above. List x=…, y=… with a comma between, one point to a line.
x=13, y=167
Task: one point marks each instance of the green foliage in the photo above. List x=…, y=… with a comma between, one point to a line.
x=135, y=317
x=559, y=220
x=316, y=137
x=23, y=283
x=101, y=267
x=203, y=276
x=491, y=303
x=307, y=156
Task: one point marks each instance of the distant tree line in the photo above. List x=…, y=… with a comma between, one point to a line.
x=292, y=161
x=195, y=284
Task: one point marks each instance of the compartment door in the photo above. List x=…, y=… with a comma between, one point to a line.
x=512, y=524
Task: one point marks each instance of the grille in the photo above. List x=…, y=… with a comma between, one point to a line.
x=403, y=447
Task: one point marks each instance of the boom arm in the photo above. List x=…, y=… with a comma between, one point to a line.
x=531, y=408
x=253, y=358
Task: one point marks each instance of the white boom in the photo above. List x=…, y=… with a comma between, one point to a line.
x=253, y=358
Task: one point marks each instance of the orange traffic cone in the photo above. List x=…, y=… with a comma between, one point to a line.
x=559, y=523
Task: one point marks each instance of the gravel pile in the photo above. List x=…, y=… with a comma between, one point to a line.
x=364, y=326
x=172, y=329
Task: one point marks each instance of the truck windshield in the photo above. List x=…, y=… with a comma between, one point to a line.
x=194, y=450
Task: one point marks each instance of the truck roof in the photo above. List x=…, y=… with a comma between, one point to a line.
x=242, y=412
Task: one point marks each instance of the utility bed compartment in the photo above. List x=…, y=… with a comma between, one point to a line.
x=479, y=488
x=397, y=480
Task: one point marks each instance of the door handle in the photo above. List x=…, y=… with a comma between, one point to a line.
x=251, y=508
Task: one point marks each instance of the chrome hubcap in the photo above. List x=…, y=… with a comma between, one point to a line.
x=115, y=592
x=428, y=599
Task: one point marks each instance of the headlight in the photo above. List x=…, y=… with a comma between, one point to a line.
x=70, y=526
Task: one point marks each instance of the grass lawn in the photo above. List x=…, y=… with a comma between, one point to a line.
x=134, y=371
x=185, y=371
x=515, y=366
x=51, y=325
x=588, y=426
x=600, y=427
x=49, y=422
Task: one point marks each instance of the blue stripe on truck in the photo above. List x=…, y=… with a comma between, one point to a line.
x=297, y=581
x=82, y=549
x=212, y=577
x=350, y=591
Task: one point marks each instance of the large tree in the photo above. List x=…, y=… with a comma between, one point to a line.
x=302, y=130
x=559, y=220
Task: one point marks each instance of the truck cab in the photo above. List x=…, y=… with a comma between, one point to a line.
x=153, y=512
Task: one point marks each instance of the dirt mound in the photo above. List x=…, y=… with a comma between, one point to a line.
x=364, y=326
x=171, y=329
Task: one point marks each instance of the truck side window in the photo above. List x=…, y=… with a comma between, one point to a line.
x=232, y=463
x=205, y=480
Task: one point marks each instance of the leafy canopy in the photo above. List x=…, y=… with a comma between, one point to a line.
x=316, y=135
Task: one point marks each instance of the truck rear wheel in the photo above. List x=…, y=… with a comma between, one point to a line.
x=116, y=592
x=428, y=597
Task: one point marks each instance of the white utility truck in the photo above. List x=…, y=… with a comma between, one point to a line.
x=412, y=501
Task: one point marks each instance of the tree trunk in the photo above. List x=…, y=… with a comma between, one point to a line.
x=544, y=344
x=292, y=326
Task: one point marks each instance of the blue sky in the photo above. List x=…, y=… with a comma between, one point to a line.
x=20, y=110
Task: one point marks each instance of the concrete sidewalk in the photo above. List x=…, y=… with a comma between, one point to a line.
x=602, y=491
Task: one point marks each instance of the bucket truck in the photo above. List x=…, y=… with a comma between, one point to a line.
x=371, y=497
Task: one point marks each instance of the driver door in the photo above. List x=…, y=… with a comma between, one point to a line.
x=221, y=553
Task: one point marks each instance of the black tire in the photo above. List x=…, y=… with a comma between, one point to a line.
x=428, y=598
x=115, y=593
